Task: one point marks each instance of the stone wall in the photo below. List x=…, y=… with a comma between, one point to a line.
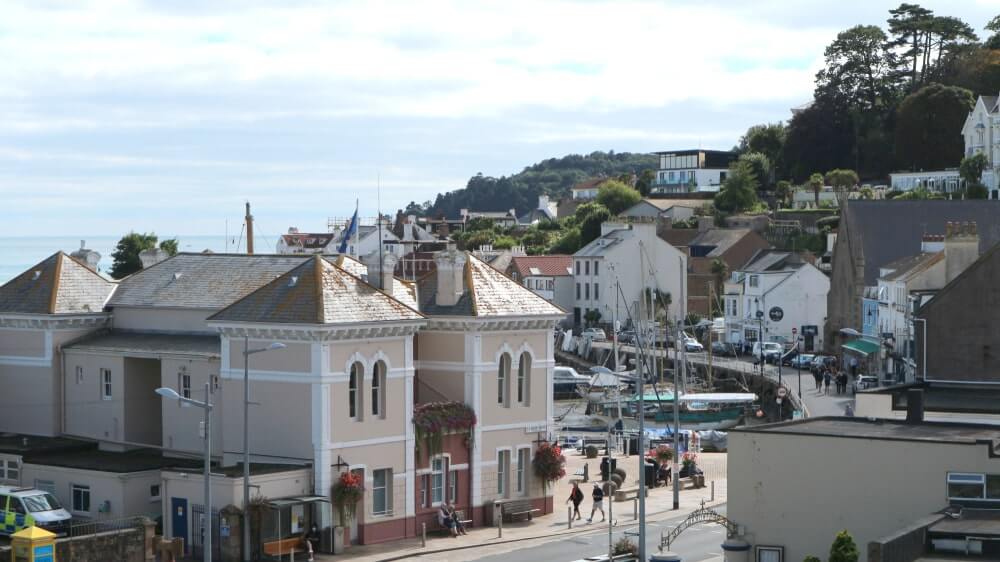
x=128, y=545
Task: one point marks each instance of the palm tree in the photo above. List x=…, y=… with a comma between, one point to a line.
x=816, y=182
x=719, y=271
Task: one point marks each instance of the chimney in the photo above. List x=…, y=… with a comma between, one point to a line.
x=249, y=221
x=932, y=243
x=380, y=278
x=89, y=258
x=705, y=223
x=914, y=405
x=543, y=202
x=450, y=276
x=961, y=248
x=151, y=257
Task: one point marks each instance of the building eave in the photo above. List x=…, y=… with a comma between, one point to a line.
x=319, y=332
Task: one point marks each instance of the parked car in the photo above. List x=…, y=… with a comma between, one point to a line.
x=821, y=361
x=802, y=361
x=864, y=382
x=24, y=507
x=770, y=348
x=595, y=334
x=692, y=345
x=626, y=337
x=723, y=349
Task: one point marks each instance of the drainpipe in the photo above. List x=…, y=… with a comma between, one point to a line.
x=62, y=398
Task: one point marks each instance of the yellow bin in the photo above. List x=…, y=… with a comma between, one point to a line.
x=33, y=544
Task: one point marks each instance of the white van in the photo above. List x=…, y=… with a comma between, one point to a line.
x=771, y=348
x=25, y=507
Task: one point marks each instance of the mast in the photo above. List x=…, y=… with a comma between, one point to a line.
x=249, y=220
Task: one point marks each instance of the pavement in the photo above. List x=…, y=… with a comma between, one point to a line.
x=486, y=542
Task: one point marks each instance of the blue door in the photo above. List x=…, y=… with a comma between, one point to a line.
x=179, y=519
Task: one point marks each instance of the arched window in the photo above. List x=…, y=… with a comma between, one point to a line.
x=523, y=378
x=354, y=390
x=378, y=390
x=503, y=379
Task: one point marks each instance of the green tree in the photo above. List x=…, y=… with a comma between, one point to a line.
x=645, y=181
x=126, y=255
x=993, y=42
x=816, y=183
x=589, y=217
x=977, y=191
x=767, y=139
x=592, y=316
x=739, y=190
x=169, y=246
x=971, y=168
x=819, y=136
x=908, y=25
x=843, y=548
x=479, y=223
x=568, y=243
x=617, y=196
x=842, y=179
x=719, y=272
x=859, y=69
x=926, y=122
x=759, y=166
x=867, y=193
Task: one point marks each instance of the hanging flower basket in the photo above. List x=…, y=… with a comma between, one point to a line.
x=663, y=454
x=347, y=492
x=434, y=419
x=549, y=463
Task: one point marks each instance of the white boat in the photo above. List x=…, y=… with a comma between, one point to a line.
x=601, y=386
x=698, y=410
x=565, y=381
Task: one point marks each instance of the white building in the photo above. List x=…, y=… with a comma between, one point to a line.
x=550, y=277
x=295, y=242
x=981, y=133
x=615, y=257
x=940, y=181
x=686, y=171
x=674, y=209
x=779, y=292
x=587, y=189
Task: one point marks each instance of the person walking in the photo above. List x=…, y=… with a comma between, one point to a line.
x=826, y=382
x=598, y=495
x=818, y=377
x=576, y=496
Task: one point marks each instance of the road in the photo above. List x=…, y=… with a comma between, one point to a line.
x=699, y=543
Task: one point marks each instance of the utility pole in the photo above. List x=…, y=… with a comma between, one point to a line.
x=679, y=342
x=711, y=328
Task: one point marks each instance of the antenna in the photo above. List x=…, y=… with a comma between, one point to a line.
x=378, y=219
x=249, y=220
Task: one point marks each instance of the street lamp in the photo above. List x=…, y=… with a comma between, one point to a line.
x=247, y=352
x=207, y=407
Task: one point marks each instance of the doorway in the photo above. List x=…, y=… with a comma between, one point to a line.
x=179, y=519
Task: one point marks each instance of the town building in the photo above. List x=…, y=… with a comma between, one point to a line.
x=708, y=248
x=938, y=181
x=550, y=277
x=587, y=189
x=673, y=210
x=612, y=272
x=926, y=468
x=776, y=296
x=872, y=234
x=688, y=171
x=503, y=219
x=981, y=132
x=295, y=242
x=82, y=357
x=545, y=211
x=367, y=238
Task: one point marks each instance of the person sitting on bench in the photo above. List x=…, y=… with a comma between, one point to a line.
x=459, y=526
x=446, y=520
x=309, y=538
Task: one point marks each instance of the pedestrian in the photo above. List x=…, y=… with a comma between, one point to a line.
x=446, y=521
x=826, y=382
x=818, y=378
x=456, y=520
x=576, y=496
x=843, y=382
x=310, y=539
x=598, y=495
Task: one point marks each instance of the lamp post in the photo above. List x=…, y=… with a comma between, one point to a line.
x=247, y=352
x=207, y=407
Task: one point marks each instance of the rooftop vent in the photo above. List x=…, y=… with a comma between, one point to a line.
x=177, y=275
x=293, y=281
x=36, y=275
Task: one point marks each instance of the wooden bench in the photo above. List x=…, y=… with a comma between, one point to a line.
x=626, y=494
x=437, y=528
x=517, y=508
x=291, y=545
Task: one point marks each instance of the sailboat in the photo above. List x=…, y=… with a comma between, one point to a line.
x=700, y=411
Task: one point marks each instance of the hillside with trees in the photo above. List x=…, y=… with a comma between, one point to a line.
x=520, y=191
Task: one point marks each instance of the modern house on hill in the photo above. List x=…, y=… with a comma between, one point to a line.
x=873, y=234
x=687, y=171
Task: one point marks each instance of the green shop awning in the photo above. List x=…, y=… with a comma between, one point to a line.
x=864, y=347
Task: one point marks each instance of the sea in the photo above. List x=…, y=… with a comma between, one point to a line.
x=18, y=253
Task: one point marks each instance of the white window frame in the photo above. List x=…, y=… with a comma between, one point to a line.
x=503, y=380
x=379, y=380
x=84, y=488
x=355, y=386
x=521, y=476
x=524, y=379
x=10, y=469
x=453, y=485
x=46, y=486
x=503, y=472
x=439, y=466
x=106, y=384
x=183, y=385
x=159, y=492
x=386, y=488
x=764, y=553
x=754, y=280
x=967, y=478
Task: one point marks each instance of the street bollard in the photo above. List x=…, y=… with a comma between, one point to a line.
x=569, y=518
x=635, y=508
x=713, y=490
x=423, y=534
x=500, y=528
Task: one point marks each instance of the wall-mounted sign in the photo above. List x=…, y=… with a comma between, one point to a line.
x=776, y=314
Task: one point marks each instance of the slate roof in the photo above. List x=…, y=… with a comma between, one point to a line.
x=887, y=230
x=202, y=281
x=313, y=241
x=488, y=293
x=720, y=239
x=588, y=184
x=772, y=260
x=991, y=103
x=403, y=291
x=555, y=266
x=911, y=265
x=150, y=344
x=316, y=292
x=58, y=285
x=601, y=245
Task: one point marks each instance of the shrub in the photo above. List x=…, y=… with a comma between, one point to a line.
x=625, y=545
x=591, y=452
x=663, y=454
x=843, y=548
x=811, y=559
x=609, y=488
x=621, y=472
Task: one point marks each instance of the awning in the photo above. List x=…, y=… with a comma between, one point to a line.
x=864, y=347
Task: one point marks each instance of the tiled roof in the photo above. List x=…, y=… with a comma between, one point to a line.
x=488, y=293
x=316, y=292
x=527, y=266
x=589, y=184
x=912, y=265
x=773, y=260
x=140, y=342
x=201, y=281
x=403, y=291
x=57, y=285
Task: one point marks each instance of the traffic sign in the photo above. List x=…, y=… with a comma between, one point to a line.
x=795, y=331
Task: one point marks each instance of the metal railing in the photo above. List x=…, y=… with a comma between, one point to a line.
x=80, y=528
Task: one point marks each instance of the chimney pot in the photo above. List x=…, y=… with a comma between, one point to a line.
x=450, y=276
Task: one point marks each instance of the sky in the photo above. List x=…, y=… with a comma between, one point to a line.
x=167, y=115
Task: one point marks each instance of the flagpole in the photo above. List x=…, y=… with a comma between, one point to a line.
x=357, y=228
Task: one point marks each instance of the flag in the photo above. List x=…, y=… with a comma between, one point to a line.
x=352, y=229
